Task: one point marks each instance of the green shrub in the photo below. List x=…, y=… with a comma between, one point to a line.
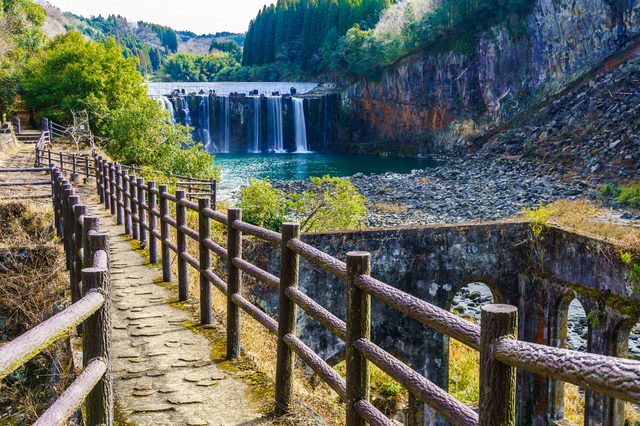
x=263, y=205
x=629, y=194
x=332, y=203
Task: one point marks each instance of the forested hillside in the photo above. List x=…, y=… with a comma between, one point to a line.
x=350, y=38
x=155, y=46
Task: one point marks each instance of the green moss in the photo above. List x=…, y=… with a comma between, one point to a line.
x=625, y=305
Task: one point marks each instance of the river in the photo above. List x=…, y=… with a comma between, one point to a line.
x=237, y=168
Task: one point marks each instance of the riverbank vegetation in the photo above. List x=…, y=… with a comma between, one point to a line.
x=332, y=203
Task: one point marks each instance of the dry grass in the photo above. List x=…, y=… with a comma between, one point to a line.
x=585, y=217
x=573, y=404
x=32, y=290
x=389, y=208
x=25, y=224
x=631, y=415
x=464, y=373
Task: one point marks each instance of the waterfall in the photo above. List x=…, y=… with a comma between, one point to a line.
x=255, y=147
x=186, y=114
x=203, y=124
x=166, y=104
x=324, y=141
x=225, y=145
x=301, y=128
x=274, y=112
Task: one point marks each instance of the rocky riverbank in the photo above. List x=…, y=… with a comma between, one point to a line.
x=464, y=190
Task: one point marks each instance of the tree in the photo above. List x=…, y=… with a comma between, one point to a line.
x=74, y=74
x=331, y=203
x=20, y=36
x=182, y=67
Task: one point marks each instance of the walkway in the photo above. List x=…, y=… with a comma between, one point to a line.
x=163, y=374
x=162, y=370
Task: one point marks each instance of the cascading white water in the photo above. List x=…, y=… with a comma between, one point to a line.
x=225, y=144
x=186, y=113
x=274, y=115
x=203, y=124
x=166, y=104
x=301, y=128
x=255, y=146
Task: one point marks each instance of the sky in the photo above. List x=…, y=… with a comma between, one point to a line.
x=198, y=16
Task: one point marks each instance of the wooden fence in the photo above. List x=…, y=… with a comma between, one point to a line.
x=16, y=124
x=48, y=182
x=87, y=254
x=144, y=210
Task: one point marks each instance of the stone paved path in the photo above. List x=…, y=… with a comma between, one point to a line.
x=162, y=370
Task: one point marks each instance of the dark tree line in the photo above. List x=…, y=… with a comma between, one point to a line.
x=307, y=37
x=301, y=26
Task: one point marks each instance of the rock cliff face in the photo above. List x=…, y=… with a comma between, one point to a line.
x=440, y=103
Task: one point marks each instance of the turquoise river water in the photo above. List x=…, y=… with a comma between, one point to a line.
x=238, y=168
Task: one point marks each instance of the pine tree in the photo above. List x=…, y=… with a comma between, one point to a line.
x=247, y=52
x=270, y=26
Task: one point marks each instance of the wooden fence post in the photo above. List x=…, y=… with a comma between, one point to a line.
x=214, y=190
x=118, y=173
x=112, y=182
x=74, y=163
x=133, y=190
x=183, y=271
x=164, y=232
x=73, y=247
x=67, y=191
x=497, y=380
x=76, y=289
x=287, y=312
x=141, y=213
x=86, y=167
x=126, y=201
x=99, y=181
x=358, y=327
x=61, y=162
x=153, y=241
x=107, y=186
x=49, y=157
x=97, y=344
x=90, y=223
x=234, y=283
x=204, y=233
x=56, y=198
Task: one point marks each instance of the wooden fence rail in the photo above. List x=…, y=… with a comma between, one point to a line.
x=49, y=182
x=500, y=353
x=87, y=255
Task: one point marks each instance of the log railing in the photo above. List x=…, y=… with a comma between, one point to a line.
x=133, y=201
x=87, y=255
x=72, y=163
x=47, y=182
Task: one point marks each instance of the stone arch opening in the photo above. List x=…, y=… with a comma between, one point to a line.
x=626, y=344
x=463, y=371
x=569, y=329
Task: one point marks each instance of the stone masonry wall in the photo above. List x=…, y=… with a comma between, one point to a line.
x=434, y=262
